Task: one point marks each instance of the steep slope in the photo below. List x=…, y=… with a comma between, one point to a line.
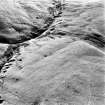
x=22, y=20
x=85, y=21
x=3, y=48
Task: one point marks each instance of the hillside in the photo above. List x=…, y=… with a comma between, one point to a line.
x=52, y=53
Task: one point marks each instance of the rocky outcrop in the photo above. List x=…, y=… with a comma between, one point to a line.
x=57, y=55
x=3, y=48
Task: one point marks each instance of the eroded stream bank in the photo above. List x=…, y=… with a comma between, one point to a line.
x=58, y=60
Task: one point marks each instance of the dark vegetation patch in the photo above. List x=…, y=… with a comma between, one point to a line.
x=1, y=100
x=8, y=55
x=37, y=101
x=96, y=39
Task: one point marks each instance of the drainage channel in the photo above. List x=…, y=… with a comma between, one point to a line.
x=11, y=50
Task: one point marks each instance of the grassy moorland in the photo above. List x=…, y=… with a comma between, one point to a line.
x=53, y=52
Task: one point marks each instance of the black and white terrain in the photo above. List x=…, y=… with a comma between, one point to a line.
x=52, y=52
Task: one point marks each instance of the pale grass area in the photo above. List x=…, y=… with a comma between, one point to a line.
x=54, y=70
